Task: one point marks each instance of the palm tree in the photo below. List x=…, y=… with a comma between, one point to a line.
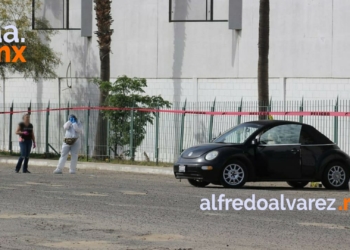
x=104, y=38
x=263, y=64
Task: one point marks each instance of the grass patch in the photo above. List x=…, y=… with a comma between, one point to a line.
x=82, y=158
x=129, y=162
x=32, y=155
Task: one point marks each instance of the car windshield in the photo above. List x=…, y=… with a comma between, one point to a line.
x=238, y=134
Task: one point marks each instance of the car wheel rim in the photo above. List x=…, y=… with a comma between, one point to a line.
x=336, y=176
x=233, y=174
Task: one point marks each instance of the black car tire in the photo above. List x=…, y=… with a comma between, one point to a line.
x=333, y=171
x=198, y=183
x=297, y=184
x=236, y=168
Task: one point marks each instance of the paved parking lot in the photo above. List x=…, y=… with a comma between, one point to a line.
x=108, y=210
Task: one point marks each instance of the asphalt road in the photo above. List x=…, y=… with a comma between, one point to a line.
x=108, y=210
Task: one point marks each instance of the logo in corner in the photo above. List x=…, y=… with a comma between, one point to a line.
x=11, y=37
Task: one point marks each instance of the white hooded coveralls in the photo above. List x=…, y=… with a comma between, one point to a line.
x=73, y=130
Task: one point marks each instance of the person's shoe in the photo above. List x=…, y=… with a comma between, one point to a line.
x=17, y=171
x=26, y=172
x=57, y=171
x=71, y=172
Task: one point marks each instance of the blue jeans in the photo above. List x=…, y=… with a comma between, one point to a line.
x=25, y=147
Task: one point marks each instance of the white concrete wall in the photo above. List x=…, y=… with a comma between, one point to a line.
x=177, y=90
x=200, y=61
x=308, y=39
x=309, y=57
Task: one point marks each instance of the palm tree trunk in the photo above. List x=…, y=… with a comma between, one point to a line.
x=104, y=34
x=101, y=146
x=263, y=64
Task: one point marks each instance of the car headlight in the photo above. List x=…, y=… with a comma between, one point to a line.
x=211, y=155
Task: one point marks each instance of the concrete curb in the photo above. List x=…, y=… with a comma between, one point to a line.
x=98, y=166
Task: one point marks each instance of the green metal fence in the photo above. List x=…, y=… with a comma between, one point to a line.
x=165, y=135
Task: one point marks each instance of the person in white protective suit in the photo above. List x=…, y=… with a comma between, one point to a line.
x=71, y=144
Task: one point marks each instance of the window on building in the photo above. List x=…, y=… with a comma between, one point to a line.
x=198, y=10
x=56, y=14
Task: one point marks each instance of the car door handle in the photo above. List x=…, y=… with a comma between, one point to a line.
x=294, y=150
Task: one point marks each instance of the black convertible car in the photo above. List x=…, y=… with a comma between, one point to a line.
x=266, y=151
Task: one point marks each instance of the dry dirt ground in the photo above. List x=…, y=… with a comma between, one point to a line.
x=108, y=210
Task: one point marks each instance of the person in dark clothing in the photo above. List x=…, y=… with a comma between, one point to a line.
x=26, y=141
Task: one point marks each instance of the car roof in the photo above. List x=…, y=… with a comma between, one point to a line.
x=273, y=122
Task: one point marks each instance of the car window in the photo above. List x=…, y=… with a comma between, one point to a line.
x=239, y=134
x=309, y=135
x=306, y=138
x=282, y=134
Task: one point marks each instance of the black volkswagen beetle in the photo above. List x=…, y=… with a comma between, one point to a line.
x=266, y=151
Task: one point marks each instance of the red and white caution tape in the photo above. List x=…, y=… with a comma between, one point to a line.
x=220, y=113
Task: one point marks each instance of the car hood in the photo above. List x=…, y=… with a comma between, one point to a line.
x=197, y=151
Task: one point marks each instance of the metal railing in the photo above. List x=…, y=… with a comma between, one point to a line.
x=166, y=134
